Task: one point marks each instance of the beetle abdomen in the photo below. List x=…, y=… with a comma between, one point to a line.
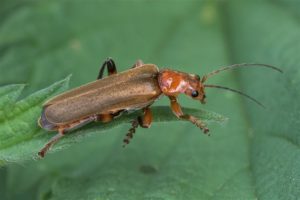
x=132, y=89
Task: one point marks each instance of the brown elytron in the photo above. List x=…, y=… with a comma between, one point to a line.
x=134, y=89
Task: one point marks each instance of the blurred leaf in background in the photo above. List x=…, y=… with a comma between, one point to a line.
x=253, y=156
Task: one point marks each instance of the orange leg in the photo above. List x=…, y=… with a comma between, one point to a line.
x=144, y=122
x=104, y=118
x=176, y=108
x=61, y=132
x=107, y=117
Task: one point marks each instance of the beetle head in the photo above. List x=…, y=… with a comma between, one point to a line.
x=172, y=83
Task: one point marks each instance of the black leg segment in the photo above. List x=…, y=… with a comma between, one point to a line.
x=111, y=68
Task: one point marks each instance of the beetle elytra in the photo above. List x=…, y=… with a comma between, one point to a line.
x=136, y=88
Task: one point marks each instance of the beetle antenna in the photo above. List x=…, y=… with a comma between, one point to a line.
x=205, y=77
x=236, y=91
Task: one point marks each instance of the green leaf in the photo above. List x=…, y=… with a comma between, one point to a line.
x=21, y=138
x=18, y=122
x=275, y=139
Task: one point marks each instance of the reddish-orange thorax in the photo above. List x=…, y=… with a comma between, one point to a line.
x=172, y=83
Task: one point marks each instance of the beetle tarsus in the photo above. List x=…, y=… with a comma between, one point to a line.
x=131, y=131
x=196, y=121
x=142, y=121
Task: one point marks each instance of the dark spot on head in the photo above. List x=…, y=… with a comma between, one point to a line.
x=197, y=77
x=147, y=169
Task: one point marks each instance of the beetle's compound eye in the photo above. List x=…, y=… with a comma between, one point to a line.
x=198, y=77
x=195, y=93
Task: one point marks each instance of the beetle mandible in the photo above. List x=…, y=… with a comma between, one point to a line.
x=136, y=88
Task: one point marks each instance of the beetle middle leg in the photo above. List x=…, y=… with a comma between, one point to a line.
x=176, y=108
x=111, y=68
x=104, y=118
x=144, y=121
x=107, y=117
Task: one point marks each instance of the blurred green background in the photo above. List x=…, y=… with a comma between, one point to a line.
x=255, y=155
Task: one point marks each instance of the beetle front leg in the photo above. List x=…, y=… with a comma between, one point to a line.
x=176, y=108
x=111, y=68
x=52, y=141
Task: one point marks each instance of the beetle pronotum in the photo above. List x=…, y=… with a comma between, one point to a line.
x=136, y=88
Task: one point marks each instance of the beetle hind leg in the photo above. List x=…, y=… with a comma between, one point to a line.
x=61, y=132
x=51, y=142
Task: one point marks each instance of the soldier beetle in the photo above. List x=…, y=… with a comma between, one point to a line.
x=134, y=89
